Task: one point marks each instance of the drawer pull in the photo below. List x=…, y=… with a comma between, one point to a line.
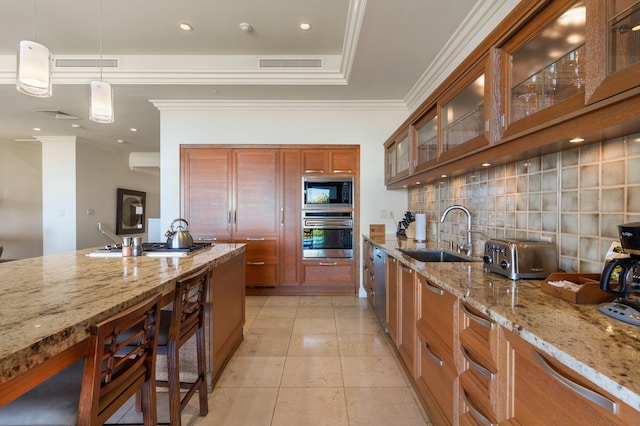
x=255, y=239
x=475, y=413
x=328, y=263
x=588, y=394
x=480, y=369
x=205, y=238
x=343, y=171
x=432, y=355
x=435, y=290
x=255, y=263
x=405, y=269
x=314, y=171
x=483, y=322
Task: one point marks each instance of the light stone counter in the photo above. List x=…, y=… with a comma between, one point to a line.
x=47, y=303
x=600, y=348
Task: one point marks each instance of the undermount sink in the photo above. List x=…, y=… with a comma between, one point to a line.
x=436, y=255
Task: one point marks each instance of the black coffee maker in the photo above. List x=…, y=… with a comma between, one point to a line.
x=621, y=277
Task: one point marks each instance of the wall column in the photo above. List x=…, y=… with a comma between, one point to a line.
x=58, y=194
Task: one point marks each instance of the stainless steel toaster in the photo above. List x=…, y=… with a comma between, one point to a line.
x=520, y=259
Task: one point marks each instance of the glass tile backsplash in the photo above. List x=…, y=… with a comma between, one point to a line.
x=575, y=198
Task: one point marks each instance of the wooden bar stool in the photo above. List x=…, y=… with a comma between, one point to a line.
x=91, y=390
x=176, y=328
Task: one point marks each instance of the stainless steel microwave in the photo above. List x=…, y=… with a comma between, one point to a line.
x=323, y=193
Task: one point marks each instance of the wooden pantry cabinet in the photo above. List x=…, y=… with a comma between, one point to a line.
x=253, y=195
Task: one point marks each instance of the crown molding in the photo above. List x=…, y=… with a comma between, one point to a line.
x=482, y=19
x=280, y=105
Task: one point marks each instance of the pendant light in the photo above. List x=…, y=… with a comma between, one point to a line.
x=34, y=64
x=101, y=93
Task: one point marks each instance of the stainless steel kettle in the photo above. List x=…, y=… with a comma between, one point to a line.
x=179, y=237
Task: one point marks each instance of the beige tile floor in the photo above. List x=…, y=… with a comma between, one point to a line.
x=310, y=360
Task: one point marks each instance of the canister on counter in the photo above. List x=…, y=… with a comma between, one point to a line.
x=127, y=250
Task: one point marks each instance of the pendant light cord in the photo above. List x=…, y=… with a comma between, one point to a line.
x=100, y=40
x=35, y=15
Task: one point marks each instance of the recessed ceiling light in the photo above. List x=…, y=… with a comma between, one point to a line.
x=486, y=164
x=443, y=176
x=75, y=125
x=576, y=140
x=133, y=129
x=36, y=129
x=636, y=28
x=245, y=27
x=305, y=26
x=186, y=27
x=120, y=141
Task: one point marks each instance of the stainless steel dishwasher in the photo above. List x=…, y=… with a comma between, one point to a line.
x=379, y=286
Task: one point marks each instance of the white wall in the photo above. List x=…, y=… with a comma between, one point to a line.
x=367, y=128
x=100, y=173
x=95, y=175
x=20, y=199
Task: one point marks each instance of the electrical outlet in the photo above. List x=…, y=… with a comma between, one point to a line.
x=384, y=214
x=90, y=212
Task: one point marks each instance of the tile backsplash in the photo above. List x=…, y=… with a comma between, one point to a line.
x=575, y=198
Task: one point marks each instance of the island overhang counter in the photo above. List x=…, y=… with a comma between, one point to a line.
x=49, y=302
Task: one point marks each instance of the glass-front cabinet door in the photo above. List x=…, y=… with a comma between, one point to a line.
x=426, y=141
x=549, y=68
x=623, y=21
x=463, y=116
x=397, y=158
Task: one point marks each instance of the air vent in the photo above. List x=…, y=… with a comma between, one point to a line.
x=290, y=63
x=59, y=115
x=86, y=63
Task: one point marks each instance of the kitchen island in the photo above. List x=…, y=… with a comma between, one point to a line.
x=600, y=349
x=49, y=302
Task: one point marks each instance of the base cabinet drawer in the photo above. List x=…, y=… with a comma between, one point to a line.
x=436, y=380
x=328, y=273
x=545, y=392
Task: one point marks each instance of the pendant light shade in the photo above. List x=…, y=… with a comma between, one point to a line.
x=101, y=102
x=33, y=76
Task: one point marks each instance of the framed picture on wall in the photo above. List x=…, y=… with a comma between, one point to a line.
x=130, y=212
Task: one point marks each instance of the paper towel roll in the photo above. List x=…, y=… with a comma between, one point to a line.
x=421, y=227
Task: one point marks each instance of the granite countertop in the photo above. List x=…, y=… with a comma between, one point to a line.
x=48, y=302
x=602, y=349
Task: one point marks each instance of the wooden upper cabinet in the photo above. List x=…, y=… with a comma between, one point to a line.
x=613, y=47
x=206, y=188
x=397, y=158
x=425, y=136
x=329, y=161
x=463, y=115
x=545, y=67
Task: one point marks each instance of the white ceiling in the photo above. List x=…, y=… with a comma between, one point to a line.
x=373, y=50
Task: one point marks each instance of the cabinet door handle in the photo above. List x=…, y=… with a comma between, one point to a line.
x=229, y=217
x=206, y=238
x=436, y=290
x=405, y=269
x=235, y=217
x=432, y=355
x=255, y=263
x=282, y=216
x=588, y=394
x=328, y=263
x=255, y=238
x=483, y=322
x=314, y=171
x=475, y=413
x=480, y=369
x=343, y=171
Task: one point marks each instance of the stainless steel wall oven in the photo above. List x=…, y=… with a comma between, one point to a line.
x=327, y=234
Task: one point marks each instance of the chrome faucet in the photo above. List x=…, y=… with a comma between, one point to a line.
x=467, y=248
